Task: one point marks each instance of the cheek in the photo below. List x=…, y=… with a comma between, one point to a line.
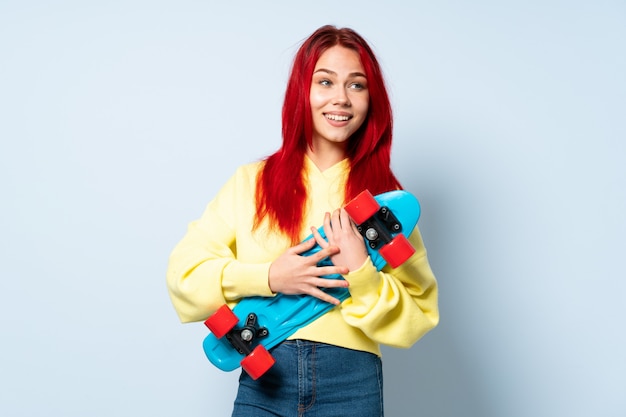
x=316, y=98
x=361, y=101
x=366, y=103
x=363, y=107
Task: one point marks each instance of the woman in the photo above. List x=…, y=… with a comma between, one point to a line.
x=337, y=128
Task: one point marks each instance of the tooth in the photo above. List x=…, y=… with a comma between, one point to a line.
x=337, y=118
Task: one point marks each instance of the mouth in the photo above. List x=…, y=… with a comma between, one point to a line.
x=337, y=117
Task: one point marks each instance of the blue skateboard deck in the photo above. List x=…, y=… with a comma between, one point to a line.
x=260, y=323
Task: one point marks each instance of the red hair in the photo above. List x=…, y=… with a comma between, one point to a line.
x=281, y=193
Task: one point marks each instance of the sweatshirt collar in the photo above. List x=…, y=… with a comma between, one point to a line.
x=339, y=168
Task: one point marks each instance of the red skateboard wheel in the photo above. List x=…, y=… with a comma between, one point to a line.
x=257, y=362
x=362, y=207
x=222, y=321
x=397, y=251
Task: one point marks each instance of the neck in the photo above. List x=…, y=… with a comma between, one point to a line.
x=324, y=155
x=325, y=160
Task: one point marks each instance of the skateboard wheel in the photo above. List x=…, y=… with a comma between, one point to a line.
x=257, y=362
x=362, y=207
x=222, y=321
x=397, y=251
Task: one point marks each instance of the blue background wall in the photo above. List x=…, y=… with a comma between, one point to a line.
x=120, y=120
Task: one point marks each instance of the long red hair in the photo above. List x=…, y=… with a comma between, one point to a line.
x=281, y=193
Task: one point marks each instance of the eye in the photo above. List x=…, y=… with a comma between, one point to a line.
x=325, y=82
x=358, y=86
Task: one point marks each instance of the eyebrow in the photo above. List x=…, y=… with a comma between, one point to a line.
x=352, y=74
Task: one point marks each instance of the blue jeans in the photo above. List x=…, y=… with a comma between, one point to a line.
x=314, y=380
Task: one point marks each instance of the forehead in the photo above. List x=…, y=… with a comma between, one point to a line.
x=340, y=59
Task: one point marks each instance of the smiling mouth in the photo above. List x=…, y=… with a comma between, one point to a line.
x=337, y=117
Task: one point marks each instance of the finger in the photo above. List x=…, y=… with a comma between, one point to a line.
x=335, y=220
x=328, y=229
x=345, y=219
x=331, y=283
x=304, y=246
x=319, y=238
x=330, y=250
x=355, y=228
x=317, y=293
x=331, y=270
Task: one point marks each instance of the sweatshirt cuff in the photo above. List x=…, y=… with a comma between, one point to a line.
x=365, y=281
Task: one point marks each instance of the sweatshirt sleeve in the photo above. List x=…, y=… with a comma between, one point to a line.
x=203, y=271
x=395, y=307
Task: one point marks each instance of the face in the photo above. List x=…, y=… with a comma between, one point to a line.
x=339, y=97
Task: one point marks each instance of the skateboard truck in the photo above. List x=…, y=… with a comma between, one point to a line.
x=242, y=338
x=224, y=322
x=381, y=228
x=377, y=229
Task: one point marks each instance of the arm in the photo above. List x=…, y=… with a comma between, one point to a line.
x=397, y=306
x=220, y=260
x=204, y=271
x=394, y=306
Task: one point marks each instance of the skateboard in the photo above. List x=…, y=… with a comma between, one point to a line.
x=244, y=335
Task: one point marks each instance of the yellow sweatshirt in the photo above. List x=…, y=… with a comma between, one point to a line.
x=220, y=260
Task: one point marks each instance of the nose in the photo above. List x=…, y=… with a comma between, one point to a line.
x=341, y=97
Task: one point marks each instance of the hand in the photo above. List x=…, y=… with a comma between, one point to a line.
x=342, y=233
x=292, y=273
